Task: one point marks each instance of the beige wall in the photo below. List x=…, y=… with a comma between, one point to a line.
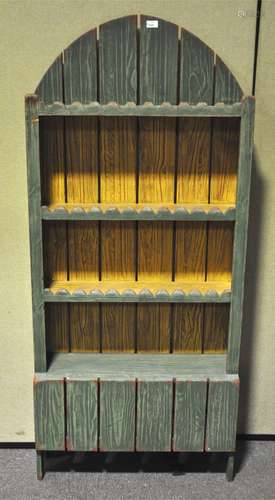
x=33, y=33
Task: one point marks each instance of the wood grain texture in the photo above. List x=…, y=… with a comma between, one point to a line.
x=190, y=415
x=158, y=62
x=216, y=324
x=227, y=89
x=241, y=229
x=80, y=70
x=57, y=327
x=35, y=231
x=222, y=413
x=81, y=415
x=49, y=414
x=187, y=328
x=117, y=415
x=154, y=415
x=192, y=184
x=84, y=327
x=157, y=143
x=55, y=251
x=117, y=57
x=50, y=88
x=153, y=328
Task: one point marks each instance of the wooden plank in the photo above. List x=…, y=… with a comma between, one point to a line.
x=154, y=415
x=192, y=184
x=49, y=414
x=190, y=415
x=222, y=412
x=224, y=162
x=81, y=141
x=80, y=70
x=52, y=164
x=35, y=229
x=187, y=328
x=216, y=323
x=84, y=328
x=241, y=228
x=200, y=110
x=157, y=144
x=117, y=58
x=117, y=415
x=141, y=366
x=50, y=88
x=139, y=211
x=81, y=415
x=57, y=327
x=138, y=291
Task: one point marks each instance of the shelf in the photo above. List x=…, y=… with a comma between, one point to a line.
x=146, y=109
x=138, y=291
x=135, y=211
x=139, y=366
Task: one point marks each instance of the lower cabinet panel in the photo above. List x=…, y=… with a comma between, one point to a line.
x=154, y=415
x=49, y=414
x=117, y=415
x=81, y=415
x=222, y=415
x=190, y=412
x=143, y=415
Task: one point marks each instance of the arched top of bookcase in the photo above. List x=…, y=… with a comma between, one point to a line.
x=132, y=59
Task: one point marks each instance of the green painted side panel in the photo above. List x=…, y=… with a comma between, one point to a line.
x=240, y=240
x=227, y=89
x=50, y=88
x=35, y=229
x=118, y=60
x=80, y=70
x=196, y=70
x=49, y=414
x=81, y=414
x=117, y=415
x=158, y=62
x=154, y=415
x=222, y=414
x=190, y=415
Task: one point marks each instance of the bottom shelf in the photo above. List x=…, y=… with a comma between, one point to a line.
x=140, y=366
x=112, y=402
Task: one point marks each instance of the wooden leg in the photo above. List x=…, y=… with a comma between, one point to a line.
x=230, y=467
x=39, y=465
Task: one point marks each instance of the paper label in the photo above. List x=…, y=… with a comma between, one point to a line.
x=152, y=23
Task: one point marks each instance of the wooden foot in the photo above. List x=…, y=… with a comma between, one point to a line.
x=230, y=467
x=39, y=465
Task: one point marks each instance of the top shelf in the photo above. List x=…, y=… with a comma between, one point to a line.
x=132, y=109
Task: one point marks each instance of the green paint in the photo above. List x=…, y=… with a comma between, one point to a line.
x=154, y=415
x=81, y=415
x=222, y=413
x=117, y=415
x=190, y=413
x=49, y=414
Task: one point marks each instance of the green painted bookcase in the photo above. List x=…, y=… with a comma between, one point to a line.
x=139, y=145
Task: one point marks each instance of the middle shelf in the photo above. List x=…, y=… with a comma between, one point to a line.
x=138, y=291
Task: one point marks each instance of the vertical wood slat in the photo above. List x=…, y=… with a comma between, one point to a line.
x=154, y=415
x=81, y=415
x=49, y=414
x=117, y=415
x=225, y=140
x=190, y=414
x=81, y=150
x=222, y=413
x=240, y=237
x=117, y=64
x=53, y=190
x=34, y=199
x=192, y=185
x=157, y=143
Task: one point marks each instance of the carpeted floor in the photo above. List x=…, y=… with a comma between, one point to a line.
x=140, y=477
